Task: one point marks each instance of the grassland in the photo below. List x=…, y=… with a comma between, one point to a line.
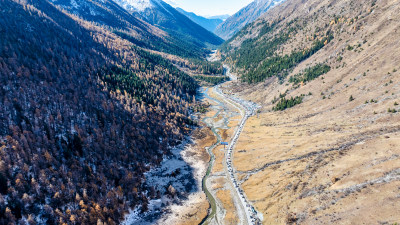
x=334, y=158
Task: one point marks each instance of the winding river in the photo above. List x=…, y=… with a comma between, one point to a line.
x=246, y=212
x=208, y=122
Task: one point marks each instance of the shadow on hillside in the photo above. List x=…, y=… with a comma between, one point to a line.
x=173, y=181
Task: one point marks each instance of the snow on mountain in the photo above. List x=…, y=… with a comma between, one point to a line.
x=166, y=17
x=246, y=15
x=137, y=5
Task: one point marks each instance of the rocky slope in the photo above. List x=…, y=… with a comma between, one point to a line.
x=324, y=149
x=245, y=16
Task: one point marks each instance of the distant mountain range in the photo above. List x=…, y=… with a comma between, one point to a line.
x=161, y=14
x=245, y=16
x=209, y=23
x=221, y=17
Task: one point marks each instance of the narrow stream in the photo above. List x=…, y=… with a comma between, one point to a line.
x=207, y=121
x=251, y=216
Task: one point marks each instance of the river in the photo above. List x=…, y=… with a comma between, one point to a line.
x=244, y=210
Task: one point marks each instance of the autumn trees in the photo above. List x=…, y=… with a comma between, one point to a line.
x=83, y=115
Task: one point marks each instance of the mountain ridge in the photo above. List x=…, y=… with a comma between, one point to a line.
x=175, y=23
x=133, y=27
x=246, y=15
x=209, y=24
x=222, y=17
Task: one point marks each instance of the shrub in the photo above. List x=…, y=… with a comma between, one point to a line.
x=349, y=47
x=310, y=73
x=288, y=103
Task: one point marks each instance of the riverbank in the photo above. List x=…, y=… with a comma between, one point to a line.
x=195, y=207
x=197, y=183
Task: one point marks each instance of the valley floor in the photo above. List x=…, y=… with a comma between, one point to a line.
x=224, y=119
x=308, y=166
x=218, y=125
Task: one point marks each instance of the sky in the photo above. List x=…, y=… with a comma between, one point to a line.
x=210, y=7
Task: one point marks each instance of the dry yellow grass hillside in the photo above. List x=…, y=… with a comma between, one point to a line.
x=334, y=158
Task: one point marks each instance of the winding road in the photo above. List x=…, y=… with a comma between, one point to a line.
x=246, y=212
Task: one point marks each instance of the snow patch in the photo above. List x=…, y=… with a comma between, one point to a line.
x=92, y=12
x=74, y=4
x=173, y=171
x=132, y=217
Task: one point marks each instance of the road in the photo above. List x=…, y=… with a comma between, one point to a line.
x=246, y=212
x=247, y=110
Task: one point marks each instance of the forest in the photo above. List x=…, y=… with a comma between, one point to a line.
x=197, y=66
x=212, y=80
x=259, y=58
x=83, y=115
x=280, y=66
x=173, y=46
x=310, y=74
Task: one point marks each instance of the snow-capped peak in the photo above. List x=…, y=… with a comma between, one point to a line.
x=137, y=5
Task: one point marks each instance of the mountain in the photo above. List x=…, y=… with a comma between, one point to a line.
x=326, y=138
x=243, y=17
x=132, y=26
x=209, y=24
x=84, y=113
x=164, y=16
x=221, y=17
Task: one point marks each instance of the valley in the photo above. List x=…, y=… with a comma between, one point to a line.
x=220, y=183
x=139, y=112
x=215, y=188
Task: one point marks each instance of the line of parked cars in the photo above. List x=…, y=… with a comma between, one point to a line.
x=250, y=109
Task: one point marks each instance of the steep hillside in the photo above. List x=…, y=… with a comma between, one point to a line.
x=325, y=147
x=161, y=14
x=131, y=27
x=248, y=14
x=83, y=115
x=209, y=24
